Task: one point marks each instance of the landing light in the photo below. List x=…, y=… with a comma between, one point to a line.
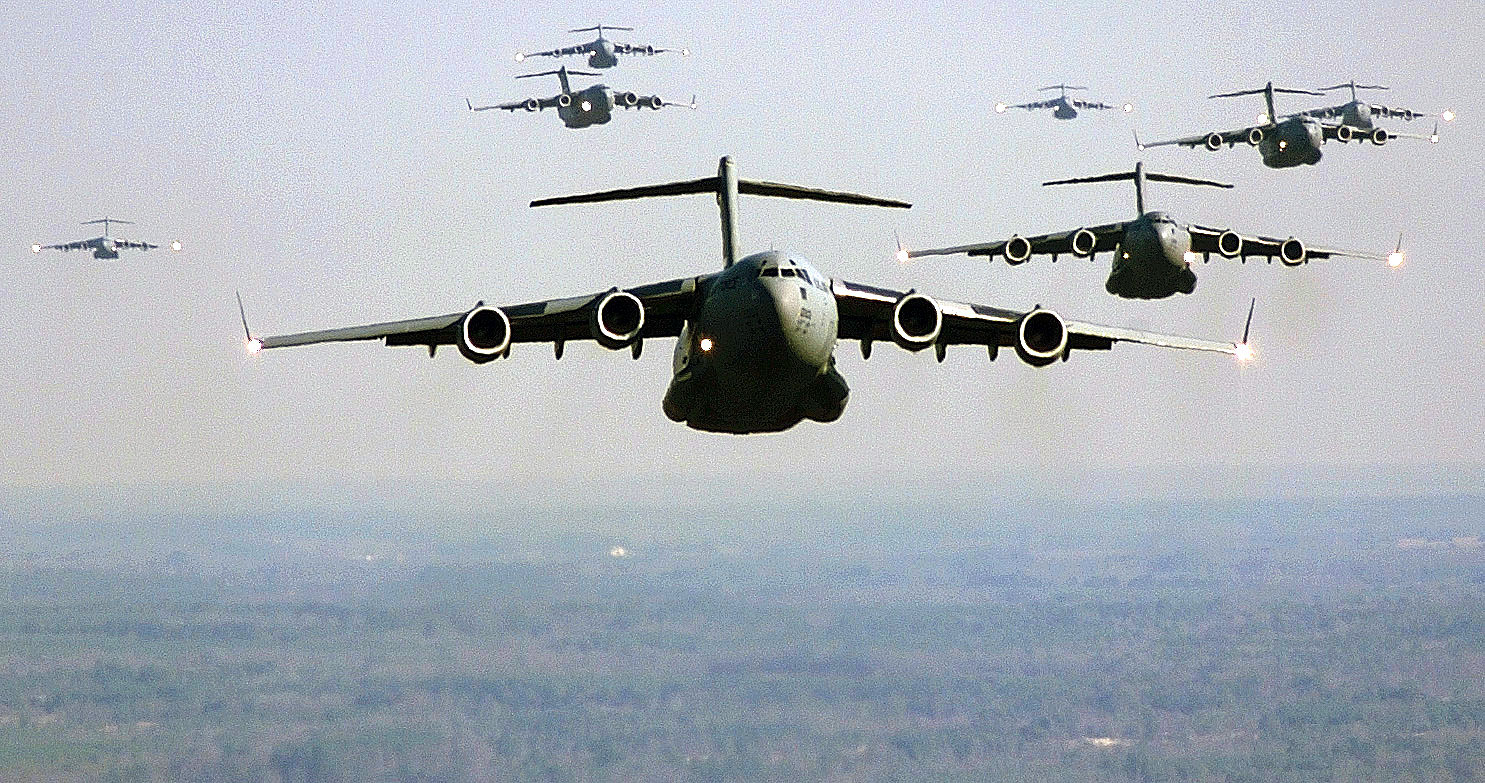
x=587, y=106
x=1244, y=352
x=254, y=346
x=1000, y=108
x=1448, y=115
x=1190, y=257
x=1262, y=116
x=1283, y=145
x=705, y=344
x=36, y=248
x=175, y=245
x=1395, y=259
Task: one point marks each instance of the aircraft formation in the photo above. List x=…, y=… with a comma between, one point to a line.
x=755, y=340
x=594, y=104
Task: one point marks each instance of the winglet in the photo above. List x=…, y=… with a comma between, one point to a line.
x=1244, y=350
x=1433, y=138
x=902, y=253
x=254, y=345
x=1137, y=144
x=469, y=104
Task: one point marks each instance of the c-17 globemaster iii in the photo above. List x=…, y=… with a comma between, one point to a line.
x=755, y=342
x=1285, y=141
x=1152, y=254
x=1063, y=107
x=602, y=53
x=105, y=247
x=1361, y=114
x=581, y=108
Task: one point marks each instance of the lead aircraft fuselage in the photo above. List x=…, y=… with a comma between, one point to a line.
x=758, y=357
x=1152, y=261
x=1292, y=142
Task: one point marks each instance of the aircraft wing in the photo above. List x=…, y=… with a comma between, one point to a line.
x=527, y=104
x=866, y=314
x=125, y=243
x=1333, y=132
x=562, y=52
x=1090, y=104
x=86, y=244
x=1106, y=237
x=1206, y=240
x=666, y=307
x=1227, y=137
x=1032, y=105
x=623, y=48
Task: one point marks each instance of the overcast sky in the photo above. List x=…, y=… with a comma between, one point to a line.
x=320, y=159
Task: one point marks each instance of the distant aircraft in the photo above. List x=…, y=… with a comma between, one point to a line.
x=1065, y=108
x=1360, y=114
x=589, y=106
x=602, y=53
x=1285, y=141
x=755, y=341
x=105, y=247
x=1152, y=254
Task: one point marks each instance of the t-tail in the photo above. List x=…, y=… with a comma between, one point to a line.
x=1354, y=87
x=600, y=28
x=1139, y=176
x=1267, y=91
x=561, y=73
x=1063, y=87
x=727, y=187
x=107, y=221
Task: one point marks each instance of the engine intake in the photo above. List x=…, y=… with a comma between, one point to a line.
x=617, y=319
x=916, y=321
x=1292, y=252
x=532, y=104
x=1213, y=141
x=1255, y=136
x=1229, y=244
x=1041, y=338
x=1084, y=242
x=655, y=102
x=1344, y=134
x=1017, y=250
x=628, y=99
x=564, y=100
x=1380, y=136
x=484, y=334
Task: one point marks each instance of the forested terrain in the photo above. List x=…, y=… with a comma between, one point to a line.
x=1240, y=642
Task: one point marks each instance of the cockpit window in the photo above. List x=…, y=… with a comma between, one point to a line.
x=771, y=271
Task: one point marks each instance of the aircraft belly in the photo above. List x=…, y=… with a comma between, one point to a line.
x=1155, y=266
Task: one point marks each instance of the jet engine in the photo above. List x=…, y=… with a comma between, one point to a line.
x=564, y=100
x=484, y=334
x=916, y=321
x=1344, y=134
x=1083, y=243
x=532, y=104
x=628, y=99
x=1380, y=136
x=655, y=102
x=1255, y=136
x=1292, y=252
x=1041, y=338
x=616, y=319
x=1213, y=141
x=649, y=49
x=1017, y=250
x=1230, y=244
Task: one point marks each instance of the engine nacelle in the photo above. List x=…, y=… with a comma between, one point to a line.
x=1380, y=136
x=1292, y=252
x=1344, y=134
x=649, y=49
x=1084, y=242
x=1017, y=250
x=628, y=99
x=532, y=104
x=1213, y=141
x=1041, y=338
x=617, y=319
x=484, y=334
x=655, y=102
x=1229, y=244
x=564, y=100
x=916, y=321
x=1255, y=136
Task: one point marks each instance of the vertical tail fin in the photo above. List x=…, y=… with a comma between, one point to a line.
x=727, y=204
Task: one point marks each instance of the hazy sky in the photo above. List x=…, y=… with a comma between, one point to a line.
x=320, y=159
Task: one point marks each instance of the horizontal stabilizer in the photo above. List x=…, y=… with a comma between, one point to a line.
x=1126, y=175
x=712, y=185
x=600, y=28
x=558, y=72
x=1262, y=90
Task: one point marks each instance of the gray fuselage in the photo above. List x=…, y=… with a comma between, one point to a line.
x=1064, y=109
x=590, y=106
x=1293, y=142
x=1150, y=262
x=601, y=54
x=757, y=357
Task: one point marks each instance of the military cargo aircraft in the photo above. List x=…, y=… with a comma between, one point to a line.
x=105, y=247
x=1152, y=254
x=1285, y=141
x=1361, y=114
x=581, y=108
x=1063, y=107
x=602, y=53
x=755, y=342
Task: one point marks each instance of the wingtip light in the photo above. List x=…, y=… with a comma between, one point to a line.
x=1000, y=108
x=685, y=52
x=1448, y=115
x=1128, y=107
x=254, y=346
x=36, y=248
x=1395, y=259
x=902, y=255
x=176, y=246
x=1243, y=352
x=520, y=56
